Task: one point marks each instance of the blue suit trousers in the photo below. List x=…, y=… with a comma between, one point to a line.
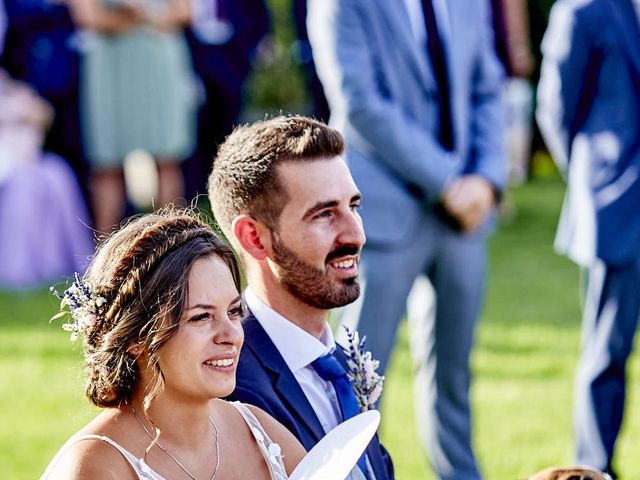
x=611, y=310
x=455, y=265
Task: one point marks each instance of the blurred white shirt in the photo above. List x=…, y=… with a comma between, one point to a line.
x=416, y=17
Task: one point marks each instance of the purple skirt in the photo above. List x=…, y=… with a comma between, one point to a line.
x=44, y=225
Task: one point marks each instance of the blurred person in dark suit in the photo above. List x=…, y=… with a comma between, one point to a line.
x=320, y=106
x=3, y=24
x=223, y=39
x=589, y=114
x=513, y=46
x=41, y=50
x=38, y=193
x=569, y=473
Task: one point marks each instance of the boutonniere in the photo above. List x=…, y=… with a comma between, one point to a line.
x=367, y=384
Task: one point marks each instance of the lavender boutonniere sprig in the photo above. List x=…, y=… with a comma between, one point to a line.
x=82, y=304
x=367, y=384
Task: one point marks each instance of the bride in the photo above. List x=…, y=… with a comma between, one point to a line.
x=159, y=313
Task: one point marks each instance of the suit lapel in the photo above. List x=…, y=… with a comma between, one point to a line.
x=373, y=449
x=285, y=383
x=375, y=458
x=627, y=18
x=395, y=14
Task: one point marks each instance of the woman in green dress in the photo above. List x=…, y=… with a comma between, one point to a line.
x=136, y=91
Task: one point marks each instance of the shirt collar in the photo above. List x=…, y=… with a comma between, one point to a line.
x=297, y=347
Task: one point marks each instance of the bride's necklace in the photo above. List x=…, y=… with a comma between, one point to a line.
x=215, y=429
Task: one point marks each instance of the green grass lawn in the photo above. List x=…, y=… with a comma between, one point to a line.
x=527, y=347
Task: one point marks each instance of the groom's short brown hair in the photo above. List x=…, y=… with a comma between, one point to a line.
x=244, y=178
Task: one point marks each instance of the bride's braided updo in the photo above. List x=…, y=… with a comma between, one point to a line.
x=142, y=272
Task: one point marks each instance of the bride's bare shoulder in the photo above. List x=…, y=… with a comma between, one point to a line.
x=91, y=458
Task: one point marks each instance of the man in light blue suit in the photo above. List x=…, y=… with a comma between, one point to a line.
x=589, y=114
x=415, y=88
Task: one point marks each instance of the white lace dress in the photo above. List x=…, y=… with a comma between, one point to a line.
x=269, y=449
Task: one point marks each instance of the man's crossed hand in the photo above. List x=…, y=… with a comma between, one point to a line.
x=469, y=199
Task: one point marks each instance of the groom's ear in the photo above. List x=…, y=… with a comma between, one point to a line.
x=252, y=235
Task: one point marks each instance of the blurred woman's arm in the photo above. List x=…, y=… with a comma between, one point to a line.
x=93, y=15
x=175, y=16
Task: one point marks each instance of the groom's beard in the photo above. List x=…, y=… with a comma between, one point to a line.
x=311, y=285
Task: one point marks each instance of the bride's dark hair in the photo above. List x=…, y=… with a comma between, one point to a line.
x=142, y=271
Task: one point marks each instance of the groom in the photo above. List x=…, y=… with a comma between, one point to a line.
x=285, y=198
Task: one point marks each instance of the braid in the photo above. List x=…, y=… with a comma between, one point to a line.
x=135, y=264
x=133, y=279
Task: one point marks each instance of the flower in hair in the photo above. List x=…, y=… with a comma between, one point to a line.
x=82, y=304
x=366, y=382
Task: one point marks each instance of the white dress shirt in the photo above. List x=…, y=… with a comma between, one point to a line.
x=298, y=349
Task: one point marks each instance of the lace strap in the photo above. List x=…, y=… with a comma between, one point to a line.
x=269, y=449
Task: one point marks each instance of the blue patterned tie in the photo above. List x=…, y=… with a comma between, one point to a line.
x=331, y=370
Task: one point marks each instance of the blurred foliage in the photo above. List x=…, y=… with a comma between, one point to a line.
x=277, y=84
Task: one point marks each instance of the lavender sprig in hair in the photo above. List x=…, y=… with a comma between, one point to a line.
x=81, y=303
x=367, y=384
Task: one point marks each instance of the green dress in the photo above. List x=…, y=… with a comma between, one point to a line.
x=137, y=93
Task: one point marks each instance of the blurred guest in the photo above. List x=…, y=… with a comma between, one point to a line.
x=570, y=473
x=135, y=81
x=588, y=100
x=223, y=38
x=416, y=88
x=43, y=232
x=41, y=51
x=3, y=24
x=513, y=45
x=320, y=109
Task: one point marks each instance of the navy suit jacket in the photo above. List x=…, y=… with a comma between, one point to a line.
x=589, y=115
x=39, y=49
x=264, y=380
